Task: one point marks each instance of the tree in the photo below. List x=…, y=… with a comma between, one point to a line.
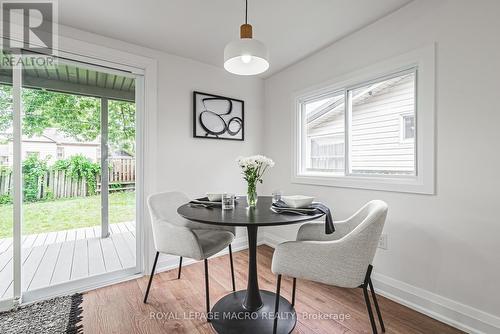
x=75, y=115
x=5, y=107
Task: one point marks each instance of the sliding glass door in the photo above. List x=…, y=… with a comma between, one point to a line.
x=76, y=157
x=6, y=187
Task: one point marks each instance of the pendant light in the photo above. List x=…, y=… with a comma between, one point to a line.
x=246, y=56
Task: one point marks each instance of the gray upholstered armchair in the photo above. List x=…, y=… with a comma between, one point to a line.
x=342, y=259
x=175, y=235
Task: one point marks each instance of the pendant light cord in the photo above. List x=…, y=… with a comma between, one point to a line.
x=246, y=11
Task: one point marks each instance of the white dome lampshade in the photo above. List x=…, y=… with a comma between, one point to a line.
x=246, y=56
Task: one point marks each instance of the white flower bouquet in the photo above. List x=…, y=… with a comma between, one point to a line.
x=253, y=168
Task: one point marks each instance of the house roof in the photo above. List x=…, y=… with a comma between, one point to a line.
x=61, y=138
x=52, y=135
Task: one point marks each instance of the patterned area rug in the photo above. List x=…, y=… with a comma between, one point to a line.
x=54, y=316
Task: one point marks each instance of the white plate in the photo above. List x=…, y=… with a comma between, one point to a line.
x=297, y=201
x=214, y=197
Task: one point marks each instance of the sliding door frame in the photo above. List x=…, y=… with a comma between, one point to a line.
x=17, y=190
x=144, y=71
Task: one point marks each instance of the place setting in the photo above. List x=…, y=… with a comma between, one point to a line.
x=225, y=201
x=301, y=205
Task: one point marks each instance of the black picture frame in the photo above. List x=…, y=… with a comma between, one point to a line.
x=228, y=118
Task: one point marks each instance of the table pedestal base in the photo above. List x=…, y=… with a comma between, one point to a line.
x=229, y=315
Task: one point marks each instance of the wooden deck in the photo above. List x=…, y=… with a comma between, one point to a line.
x=56, y=257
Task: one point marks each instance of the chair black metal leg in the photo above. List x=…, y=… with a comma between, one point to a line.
x=370, y=312
x=232, y=267
x=367, y=298
x=180, y=268
x=151, y=277
x=277, y=304
x=375, y=302
x=207, y=290
x=293, y=291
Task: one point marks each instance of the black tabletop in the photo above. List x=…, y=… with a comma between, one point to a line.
x=241, y=215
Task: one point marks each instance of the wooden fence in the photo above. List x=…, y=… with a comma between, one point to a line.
x=58, y=184
x=122, y=171
x=5, y=183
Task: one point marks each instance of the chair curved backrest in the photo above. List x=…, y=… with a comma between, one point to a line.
x=342, y=261
x=163, y=210
x=163, y=206
x=362, y=241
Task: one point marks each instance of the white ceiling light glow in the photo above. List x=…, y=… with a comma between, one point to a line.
x=246, y=56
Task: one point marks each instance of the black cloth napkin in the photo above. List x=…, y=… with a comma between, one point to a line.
x=319, y=208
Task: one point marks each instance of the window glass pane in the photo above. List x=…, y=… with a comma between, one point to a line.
x=377, y=145
x=6, y=187
x=323, y=141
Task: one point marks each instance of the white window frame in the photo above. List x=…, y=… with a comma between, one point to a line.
x=423, y=182
x=59, y=152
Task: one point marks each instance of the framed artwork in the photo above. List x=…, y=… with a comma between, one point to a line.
x=218, y=117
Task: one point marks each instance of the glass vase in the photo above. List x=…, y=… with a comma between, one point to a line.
x=252, y=195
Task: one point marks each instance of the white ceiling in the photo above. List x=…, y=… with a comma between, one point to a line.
x=199, y=29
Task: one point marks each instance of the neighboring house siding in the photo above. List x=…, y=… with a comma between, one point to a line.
x=376, y=130
x=44, y=150
x=89, y=151
x=48, y=150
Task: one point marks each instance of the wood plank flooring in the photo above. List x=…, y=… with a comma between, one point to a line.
x=119, y=308
x=56, y=257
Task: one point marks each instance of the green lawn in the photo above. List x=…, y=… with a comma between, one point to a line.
x=65, y=214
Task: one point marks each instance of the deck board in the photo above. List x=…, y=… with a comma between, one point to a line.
x=95, y=257
x=61, y=236
x=5, y=244
x=80, y=234
x=6, y=278
x=130, y=227
x=80, y=259
x=46, y=267
x=62, y=270
x=32, y=264
x=56, y=257
x=111, y=258
x=29, y=240
x=89, y=233
x=5, y=257
x=126, y=257
x=51, y=238
x=40, y=240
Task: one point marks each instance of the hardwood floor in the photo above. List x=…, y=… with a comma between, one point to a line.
x=119, y=308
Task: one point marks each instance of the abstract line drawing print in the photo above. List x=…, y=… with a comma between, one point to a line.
x=217, y=117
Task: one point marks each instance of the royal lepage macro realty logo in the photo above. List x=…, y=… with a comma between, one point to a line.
x=29, y=32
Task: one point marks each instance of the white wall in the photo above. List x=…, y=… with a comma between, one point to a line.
x=445, y=245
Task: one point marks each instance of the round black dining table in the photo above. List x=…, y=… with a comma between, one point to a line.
x=250, y=310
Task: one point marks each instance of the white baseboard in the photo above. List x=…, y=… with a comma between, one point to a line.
x=451, y=312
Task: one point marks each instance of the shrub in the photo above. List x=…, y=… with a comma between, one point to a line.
x=5, y=199
x=34, y=169
x=80, y=167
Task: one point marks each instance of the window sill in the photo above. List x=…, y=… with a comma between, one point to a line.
x=405, y=184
